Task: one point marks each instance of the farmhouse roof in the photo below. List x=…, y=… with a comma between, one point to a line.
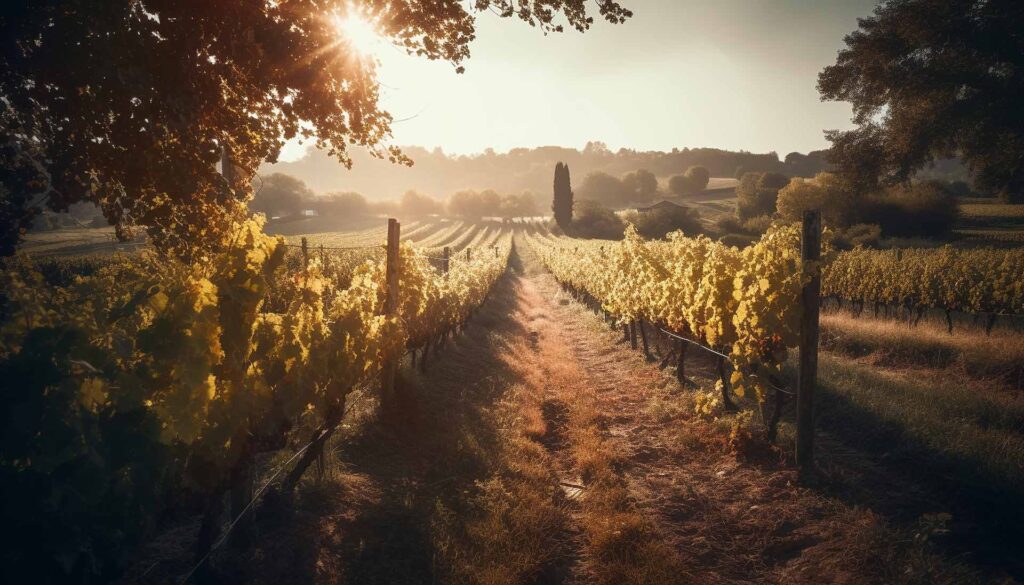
x=663, y=204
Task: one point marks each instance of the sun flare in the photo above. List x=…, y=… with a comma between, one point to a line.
x=360, y=32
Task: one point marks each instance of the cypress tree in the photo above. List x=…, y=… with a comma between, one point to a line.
x=562, y=205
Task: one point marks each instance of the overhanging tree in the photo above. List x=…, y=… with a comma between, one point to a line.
x=562, y=204
x=931, y=79
x=130, y=104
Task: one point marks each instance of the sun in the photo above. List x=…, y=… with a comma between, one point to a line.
x=360, y=32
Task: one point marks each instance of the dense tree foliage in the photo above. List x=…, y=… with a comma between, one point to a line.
x=593, y=220
x=280, y=195
x=756, y=194
x=659, y=222
x=132, y=104
x=522, y=205
x=930, y=79
x=693, y=181
x=698, y=177
x=641, y=186
x=604, y=189
x=924, y=209
x=416, y=204
x=474, y=205
x=829, y=193
x=340, y=204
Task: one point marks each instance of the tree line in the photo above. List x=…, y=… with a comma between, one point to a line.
x=283, y=197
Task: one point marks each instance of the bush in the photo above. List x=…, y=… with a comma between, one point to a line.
x=867, y=235
x=641, y=185
x=755, y=226
x=758, y=225
x=656, y=224
x=960, y=189
x=603, y=189
x=338, y=204
x=728, y=224
x=592, y=220
x=698, y=178
x=679, y=185
x=926, y=209
x=757, y=194
x=280, y=195
x=737, y=240
x=524, y=205
x=473, y=205
x=415, y=204
x=826, y=192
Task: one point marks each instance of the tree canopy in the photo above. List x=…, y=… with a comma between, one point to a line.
x=131, y=104
x=931, y=79
x=280, y=195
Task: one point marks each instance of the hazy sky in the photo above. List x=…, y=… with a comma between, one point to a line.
x=733, y=74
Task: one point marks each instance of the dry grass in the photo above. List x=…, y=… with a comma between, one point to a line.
x=512, y=528
x=998, y=357
x=619, y=544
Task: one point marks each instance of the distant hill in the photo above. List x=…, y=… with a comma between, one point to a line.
x=524, y=169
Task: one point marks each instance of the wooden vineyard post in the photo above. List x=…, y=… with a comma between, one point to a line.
x=469, y=254
x=305, y=253
x=387, y=380
x=643, y=338
x=810, y=299
x=444, y=261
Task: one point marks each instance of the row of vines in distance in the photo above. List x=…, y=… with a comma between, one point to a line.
x=979, y=281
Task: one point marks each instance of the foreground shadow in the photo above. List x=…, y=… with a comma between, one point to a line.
x=872, y=462
x=371, y=523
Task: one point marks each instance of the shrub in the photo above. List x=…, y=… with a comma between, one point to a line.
x=925, y=209
x=603, y=189
x=826, y=192
x=338, y=204
x=757, y=194
x=473, y=205
x=415, y=204
x=737, y=240
x=698, y=178
x=867, y=235
x=679, y=185
x=728, y=224
x=592, y=220
x=657, y=223
x=755, y=226
x=758, y=225
x=773, y=181
x=641, y=185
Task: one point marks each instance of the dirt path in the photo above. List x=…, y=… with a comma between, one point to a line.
x=540, y=448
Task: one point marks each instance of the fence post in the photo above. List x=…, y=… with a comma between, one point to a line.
x=305, y=253
x=810, y=299
x=387, y=380
x=444, y=261
x=469, y=254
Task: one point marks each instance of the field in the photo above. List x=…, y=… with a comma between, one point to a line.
x=539, y=443
x=992, y=222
